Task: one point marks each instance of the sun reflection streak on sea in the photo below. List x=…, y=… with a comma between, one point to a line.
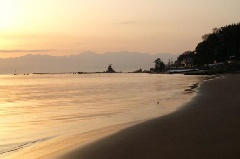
x=36, y=108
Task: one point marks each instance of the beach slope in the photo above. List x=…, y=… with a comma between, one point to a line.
x=207, y=127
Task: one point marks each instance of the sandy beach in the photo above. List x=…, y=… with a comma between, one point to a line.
x=206, y=127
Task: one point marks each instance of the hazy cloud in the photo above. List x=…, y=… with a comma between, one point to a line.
x=130, y=22
x=17, y=51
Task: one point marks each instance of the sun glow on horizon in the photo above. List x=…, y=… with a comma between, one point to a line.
x=8, y=15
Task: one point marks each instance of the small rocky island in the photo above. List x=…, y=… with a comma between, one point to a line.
x=110, y=69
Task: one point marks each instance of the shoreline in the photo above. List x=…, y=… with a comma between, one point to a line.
x=205, y=127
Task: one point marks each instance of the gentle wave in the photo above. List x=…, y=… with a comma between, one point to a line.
x=18, y=146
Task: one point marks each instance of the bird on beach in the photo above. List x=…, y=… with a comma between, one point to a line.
x=157, y=103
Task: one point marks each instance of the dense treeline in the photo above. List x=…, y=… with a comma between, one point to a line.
x=221, y=48
x=221, y=45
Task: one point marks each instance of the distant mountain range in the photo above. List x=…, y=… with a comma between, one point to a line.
x=84, y=62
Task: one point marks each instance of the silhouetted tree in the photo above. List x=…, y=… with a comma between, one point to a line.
x=205, y=36
x=220, y=45
x=159, y=65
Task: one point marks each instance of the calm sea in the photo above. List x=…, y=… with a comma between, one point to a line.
x=37, y=108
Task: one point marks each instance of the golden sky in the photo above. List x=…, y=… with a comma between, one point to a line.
x=64, y=27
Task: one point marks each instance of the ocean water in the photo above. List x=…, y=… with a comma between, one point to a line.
x=36, y=109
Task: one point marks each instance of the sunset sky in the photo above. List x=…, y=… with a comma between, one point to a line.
x=64, y=27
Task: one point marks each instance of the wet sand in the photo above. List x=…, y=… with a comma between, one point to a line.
x=206, y=127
